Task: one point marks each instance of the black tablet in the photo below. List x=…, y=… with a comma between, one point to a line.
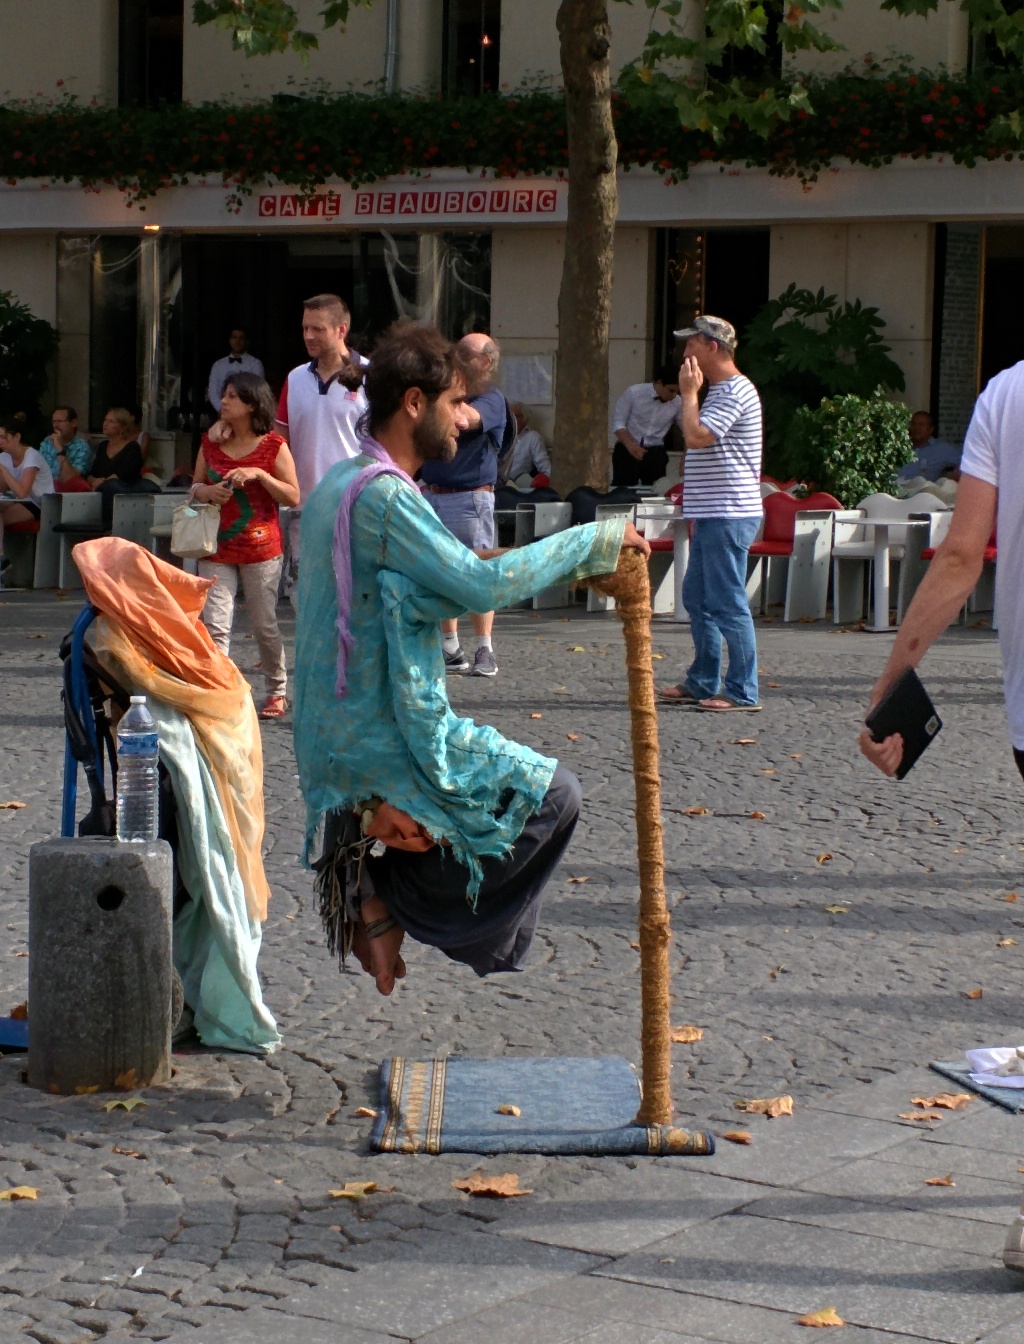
x=905, y=709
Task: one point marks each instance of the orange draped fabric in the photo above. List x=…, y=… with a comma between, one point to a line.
x=151, y=638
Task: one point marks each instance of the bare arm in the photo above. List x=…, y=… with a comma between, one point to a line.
x=280, y=484
x=22, y=488
x=624, y=437
x=943, y=591
x=203, y=490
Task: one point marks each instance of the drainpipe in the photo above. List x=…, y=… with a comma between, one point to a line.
x=391, y=47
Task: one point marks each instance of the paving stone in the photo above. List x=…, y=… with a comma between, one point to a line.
x=519, y=1322
x=889, y=1183
x=625, y=1210
x=621, y=1305
x=933, y=1293
x=264, y=1327
x=423, y=1280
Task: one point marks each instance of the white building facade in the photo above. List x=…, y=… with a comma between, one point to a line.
x=144, y=299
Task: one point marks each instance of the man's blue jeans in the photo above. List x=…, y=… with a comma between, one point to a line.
x=715, y=598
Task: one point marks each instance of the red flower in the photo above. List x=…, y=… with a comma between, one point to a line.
x=927, y=118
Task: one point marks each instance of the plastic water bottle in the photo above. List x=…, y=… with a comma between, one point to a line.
x=138, y=751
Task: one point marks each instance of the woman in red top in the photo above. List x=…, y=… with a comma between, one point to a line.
x=248, y=471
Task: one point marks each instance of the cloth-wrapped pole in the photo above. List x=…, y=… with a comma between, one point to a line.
x=631, y=589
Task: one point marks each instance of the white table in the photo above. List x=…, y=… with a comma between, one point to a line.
x=880, y=527
x=680, y=559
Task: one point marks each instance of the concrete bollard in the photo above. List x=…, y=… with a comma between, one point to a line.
x=99, y=971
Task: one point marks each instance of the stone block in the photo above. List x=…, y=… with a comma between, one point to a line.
x=99, y=964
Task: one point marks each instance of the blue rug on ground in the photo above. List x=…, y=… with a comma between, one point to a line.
x=571, y=1106
x=1010, y=1098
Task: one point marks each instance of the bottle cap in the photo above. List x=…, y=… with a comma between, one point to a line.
x=138, y=699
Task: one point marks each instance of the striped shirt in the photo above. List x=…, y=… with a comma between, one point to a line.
x=723, y=481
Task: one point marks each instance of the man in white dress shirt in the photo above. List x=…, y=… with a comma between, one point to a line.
x=643, y=416
x=528, y=457
x=238, y=361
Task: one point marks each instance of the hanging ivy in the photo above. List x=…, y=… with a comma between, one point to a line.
x=306, y=141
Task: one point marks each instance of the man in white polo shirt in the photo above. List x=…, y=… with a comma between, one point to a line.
x=320, y=405
x=722, y=496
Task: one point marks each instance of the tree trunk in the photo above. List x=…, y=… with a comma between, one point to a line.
x=581, y=444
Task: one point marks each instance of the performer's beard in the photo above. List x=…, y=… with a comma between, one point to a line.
x=432, y=441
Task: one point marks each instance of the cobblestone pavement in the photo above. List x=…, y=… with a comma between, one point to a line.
x=204, y=1217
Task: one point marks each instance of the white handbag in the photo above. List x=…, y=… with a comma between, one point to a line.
x=194, y=529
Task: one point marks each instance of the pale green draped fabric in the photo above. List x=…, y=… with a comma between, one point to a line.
x=394, y=735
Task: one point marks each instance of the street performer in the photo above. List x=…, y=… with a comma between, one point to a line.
x=433, y=825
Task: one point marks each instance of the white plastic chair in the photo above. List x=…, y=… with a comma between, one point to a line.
x=853, y=550
x=534, y=521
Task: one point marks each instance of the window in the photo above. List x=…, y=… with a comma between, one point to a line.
x=471, y=47
x=114, y=325
x=150, y=52
x=721, y=271
x=749, y=64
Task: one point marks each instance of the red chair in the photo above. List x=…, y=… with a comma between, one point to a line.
x=776, y=542
x=988, y=558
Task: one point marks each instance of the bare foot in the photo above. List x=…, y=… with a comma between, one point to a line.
x=379, y=957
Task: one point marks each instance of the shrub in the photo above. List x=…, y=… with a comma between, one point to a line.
x=27, y=344
x=802, y=347
x=852, y=446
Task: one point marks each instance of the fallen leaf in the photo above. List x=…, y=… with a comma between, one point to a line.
x=778, y=970
x=657, y=657
x=365, y=1113
x=577, y=648
x=335, y=1227
x=126, y=1103
x=1008, y=899
x=536, y=716
x=774, y=685
x=827, y=1316
x=796, y=755
x=126, y=1081
x=506, y=1108
x=577, y=880
x=959, y=851
x=738, y=1136
x=687, y=1034
x=769, y=772
x=973, y=993
x=84, y=1091
x=916, y=1115
x=354, y=1190
x=1007, y=942
x=20, y=1192
x=129, y=1152
x=695, y=811
x=949, y=1101
x=837, y=909
x=769, y=1106
x=35, y=636
x=635, y=947
x=12, y=806
x=757, y=816
x=19, y=1013
x=941, y=1180
x=573, y=737
x=743, y=742
x=491, y=1187
x=826, y=857
x=21, y=954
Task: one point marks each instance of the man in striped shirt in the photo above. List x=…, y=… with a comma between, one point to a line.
x=721, y=494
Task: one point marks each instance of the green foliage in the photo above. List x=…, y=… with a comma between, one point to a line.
x=358, y=138
x=27, y=344
x=263, y=27
x=802, y=347
x=850, y=445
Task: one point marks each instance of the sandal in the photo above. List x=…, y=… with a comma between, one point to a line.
x=274, y=707
x=676, y=695
x=719, y=705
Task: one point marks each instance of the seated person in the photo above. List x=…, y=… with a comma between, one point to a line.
x=117, y=466
x=24, y=479
x=528, y=456
x=933, y=457
x=436, y=826
x=68, y=454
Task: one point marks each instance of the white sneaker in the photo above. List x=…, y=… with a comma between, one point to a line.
x=1013, y=1246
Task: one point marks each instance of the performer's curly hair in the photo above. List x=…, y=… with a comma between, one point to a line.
x=407, y=355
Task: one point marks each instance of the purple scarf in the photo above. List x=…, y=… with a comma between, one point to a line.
x=382, y=466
